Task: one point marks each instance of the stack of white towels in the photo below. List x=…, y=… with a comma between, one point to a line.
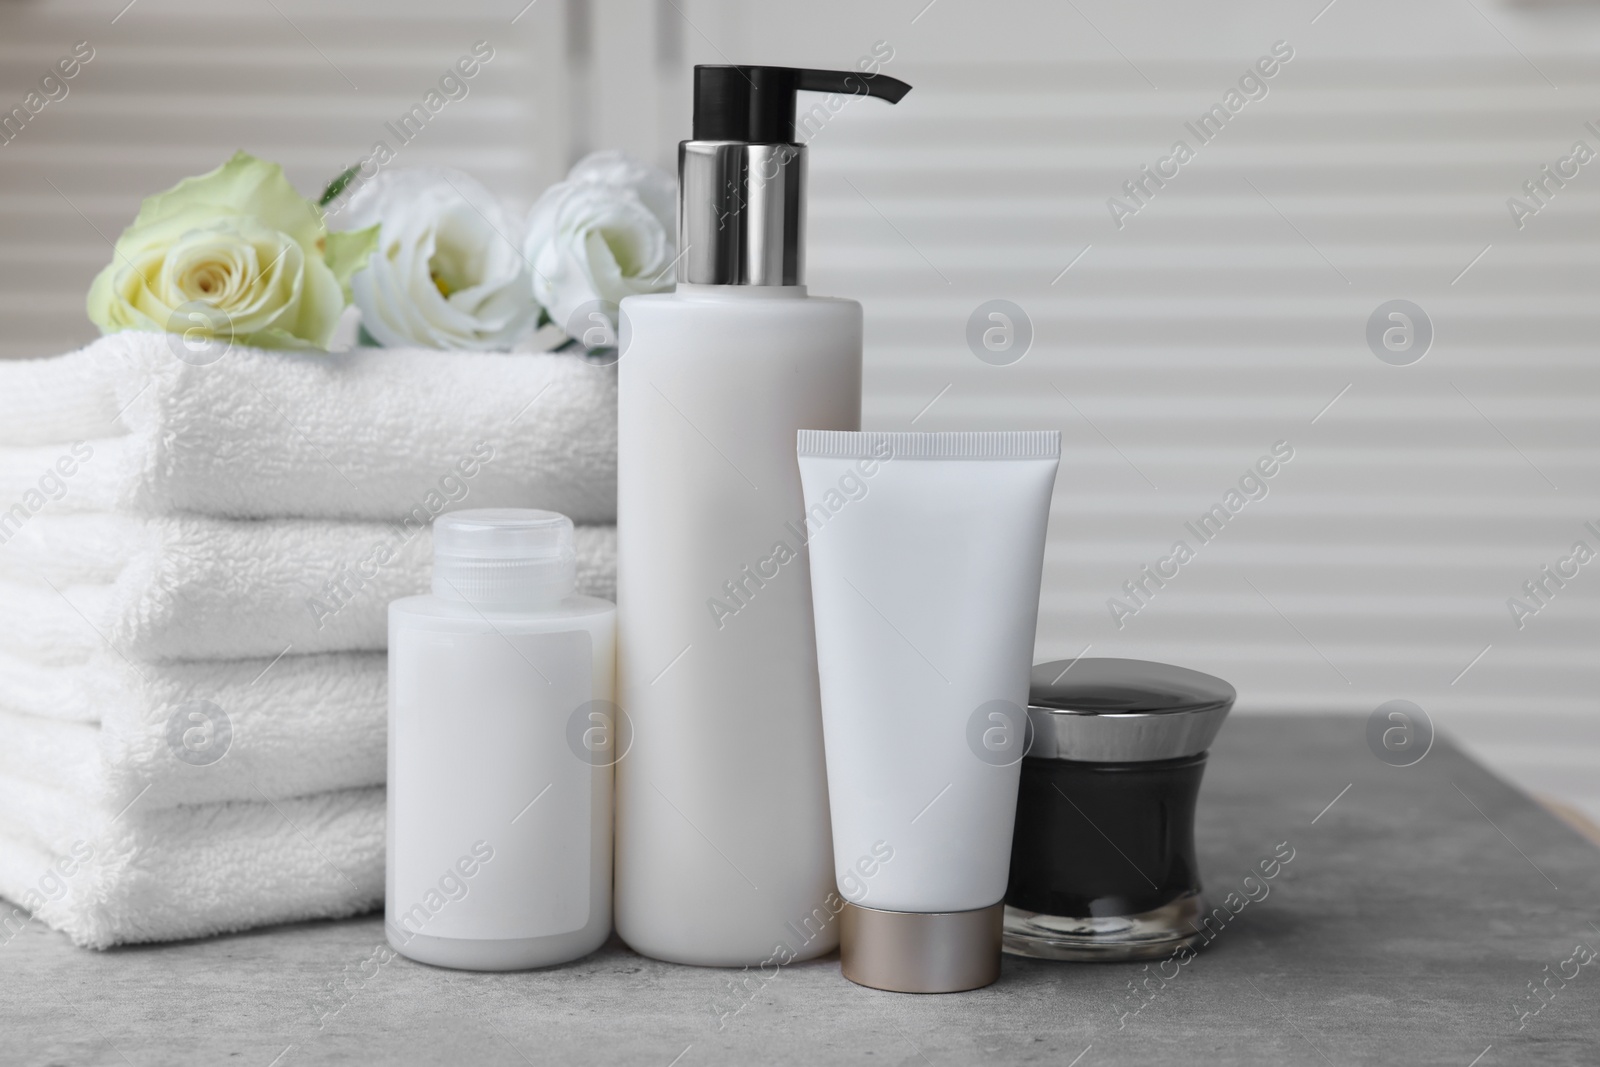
x=197, y=551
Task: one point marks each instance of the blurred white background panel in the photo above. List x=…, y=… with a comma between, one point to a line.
x=1175, y=341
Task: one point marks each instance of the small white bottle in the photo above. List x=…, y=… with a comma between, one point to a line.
x=724, y=856
x=501, y=745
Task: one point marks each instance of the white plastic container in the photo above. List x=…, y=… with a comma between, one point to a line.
x=722, y=807
x=926, y=559
x=723, y=848
x=501, y=743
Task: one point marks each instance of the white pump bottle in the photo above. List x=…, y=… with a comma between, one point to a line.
x=723, y=846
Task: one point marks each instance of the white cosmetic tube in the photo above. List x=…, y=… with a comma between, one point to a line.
x=926, y=553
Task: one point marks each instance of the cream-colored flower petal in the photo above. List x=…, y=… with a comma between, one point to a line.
x=273, y=296
x=321, y=301
x=244, y=185
x=207, y=266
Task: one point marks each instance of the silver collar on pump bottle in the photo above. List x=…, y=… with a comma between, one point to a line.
x=747, y=223
x=742, y=177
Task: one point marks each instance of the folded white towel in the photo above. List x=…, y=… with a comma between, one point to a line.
x=124, y=424
x=110, y=732
x=107, y=877
x=186, y=587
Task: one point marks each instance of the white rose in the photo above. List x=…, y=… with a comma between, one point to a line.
x=446, y=273
x=605, y=233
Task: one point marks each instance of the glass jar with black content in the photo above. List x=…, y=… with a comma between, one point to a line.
x=1102, y=858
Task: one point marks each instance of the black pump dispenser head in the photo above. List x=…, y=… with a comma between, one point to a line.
x=742, y=177
x=756, y=104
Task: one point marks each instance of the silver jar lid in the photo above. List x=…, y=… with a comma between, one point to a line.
x=1123, y=710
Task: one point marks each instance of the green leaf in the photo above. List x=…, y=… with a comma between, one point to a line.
x=347, y=251
x=337, y=186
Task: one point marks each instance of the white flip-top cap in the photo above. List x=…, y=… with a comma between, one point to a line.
x=503, y=557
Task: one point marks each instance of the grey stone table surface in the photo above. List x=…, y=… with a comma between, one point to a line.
x=1421, y=908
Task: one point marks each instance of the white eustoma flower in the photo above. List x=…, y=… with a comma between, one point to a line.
x=446, y=273
x=605, y=233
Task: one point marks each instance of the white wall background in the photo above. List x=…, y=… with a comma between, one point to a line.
x=1226, y=315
